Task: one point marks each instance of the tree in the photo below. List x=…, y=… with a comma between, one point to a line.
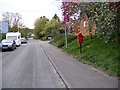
x=13, y=28
x=24, y=32
x=98, y=12
x=70, y=10
x=52, y=26
x=103, y=17
x=39, y=26
x=14, y=20
x=115, y=8
x=56, y=17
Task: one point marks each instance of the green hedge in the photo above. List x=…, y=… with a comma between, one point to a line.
x=59, y=40
x=44, y=38
x=2, y=36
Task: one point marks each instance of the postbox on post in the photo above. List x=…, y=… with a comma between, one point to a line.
x=80, y=41
x=80, y=38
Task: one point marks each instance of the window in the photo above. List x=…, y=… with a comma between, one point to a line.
x=18, y=37
x=12, y=37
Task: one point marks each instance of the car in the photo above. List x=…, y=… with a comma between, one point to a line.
x=23, y=40
x=8, y=44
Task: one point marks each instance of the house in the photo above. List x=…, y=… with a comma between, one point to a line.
x=82, y=27
x=3, y=26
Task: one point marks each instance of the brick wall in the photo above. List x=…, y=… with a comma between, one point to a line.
x=82, y=26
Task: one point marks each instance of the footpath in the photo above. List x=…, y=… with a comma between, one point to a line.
x=75, y=73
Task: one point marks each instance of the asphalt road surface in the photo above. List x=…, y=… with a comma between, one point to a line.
x=40, y=65
x=28, y=67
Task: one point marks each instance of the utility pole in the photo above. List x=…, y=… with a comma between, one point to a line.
x=66, y=42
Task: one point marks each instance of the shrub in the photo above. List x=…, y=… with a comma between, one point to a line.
x=71, y=37
x=2, y=36
x=44, y=38
x=59, y=40
x=36, y=37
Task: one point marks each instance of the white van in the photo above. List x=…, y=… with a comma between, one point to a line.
x=15, y=36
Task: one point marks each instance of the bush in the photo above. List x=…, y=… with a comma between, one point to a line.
x=62, y=31
x=36, y=37
x=59, y=40
x=60, y=43
x=2, y=36
x=44, y=38
x=71, y=37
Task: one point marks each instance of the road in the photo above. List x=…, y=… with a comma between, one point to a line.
x=40, y=65
x=28, y=67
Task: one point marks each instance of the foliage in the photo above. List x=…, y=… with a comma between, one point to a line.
x=59, y=40
x=95, y=52
x=39, y=26
x=13, y=19
x=2, y=36
x=70, y=9
x=52, y=26
x=45, y=27
x=107, y=23
x=44, y=38
x=71, y=37
x=62, y=30
x=24, y=32
x=103, y=18
x=56, y=17
x=13, y=28
x=36, y=37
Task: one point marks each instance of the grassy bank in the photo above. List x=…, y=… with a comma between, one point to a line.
x=103, y=56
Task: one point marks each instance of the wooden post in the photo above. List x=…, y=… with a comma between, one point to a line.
x=80, y=47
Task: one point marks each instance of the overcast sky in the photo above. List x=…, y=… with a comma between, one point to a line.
x=31, y=9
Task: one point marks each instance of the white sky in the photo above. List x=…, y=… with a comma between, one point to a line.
x=31, y=9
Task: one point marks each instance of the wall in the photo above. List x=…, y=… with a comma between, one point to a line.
x=82, y=27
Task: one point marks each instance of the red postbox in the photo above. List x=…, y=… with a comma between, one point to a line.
x=80, y=38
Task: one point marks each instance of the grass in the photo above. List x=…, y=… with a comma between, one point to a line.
x=103, y=56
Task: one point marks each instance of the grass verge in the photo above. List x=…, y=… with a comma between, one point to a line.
x=104, y=56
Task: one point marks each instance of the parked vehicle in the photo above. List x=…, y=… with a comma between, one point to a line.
x=23, y=40
x=15, y=36
x=8, y=44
